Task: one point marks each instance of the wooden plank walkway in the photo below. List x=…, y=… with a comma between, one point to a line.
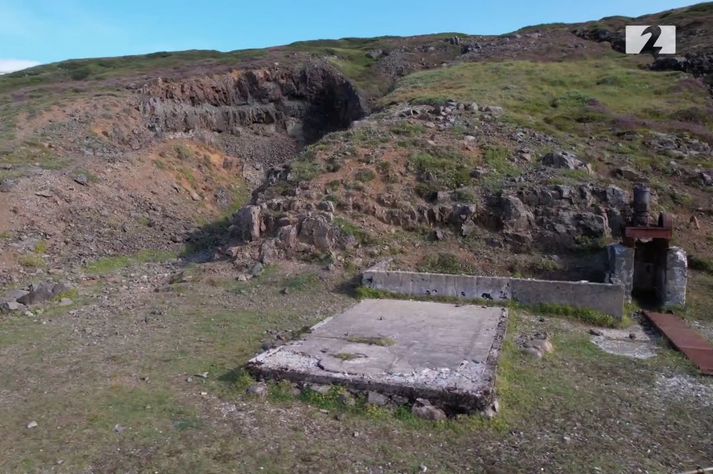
x=697, y=348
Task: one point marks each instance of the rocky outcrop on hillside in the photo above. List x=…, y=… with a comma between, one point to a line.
x=304, y=102
x=697, y=64
x=550, y=218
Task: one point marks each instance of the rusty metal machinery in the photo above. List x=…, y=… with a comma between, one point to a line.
x=641, y=228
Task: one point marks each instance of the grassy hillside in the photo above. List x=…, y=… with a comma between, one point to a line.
x=579, y=97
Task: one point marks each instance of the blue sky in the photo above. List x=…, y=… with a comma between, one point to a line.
x=53, y=30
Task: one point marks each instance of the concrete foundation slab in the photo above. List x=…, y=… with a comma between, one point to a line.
x=445, y=353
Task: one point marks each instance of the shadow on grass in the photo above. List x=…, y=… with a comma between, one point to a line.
x=236, y=376
x=202, y=243
x=349, y=286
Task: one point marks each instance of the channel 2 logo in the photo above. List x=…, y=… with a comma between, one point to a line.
x=656, y=39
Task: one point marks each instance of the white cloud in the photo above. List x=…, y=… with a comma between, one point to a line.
x=12, y=65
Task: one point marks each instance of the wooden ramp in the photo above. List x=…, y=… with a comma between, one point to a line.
x=697, y=348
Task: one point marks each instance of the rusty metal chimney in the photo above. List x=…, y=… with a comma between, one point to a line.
x=642, y=205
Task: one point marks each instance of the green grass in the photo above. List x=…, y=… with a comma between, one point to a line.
x=372, y=341
x=188, y=175
x=499, y=166
x=701, y=264
x=109, y=265
x=407, y=129
x=572, y=96
x=498, y=160
x=41, y=247
x=172, y=425
x=184, y=153
x=349, y=56
x=33, y=154
x=349, y=228
x=301, y=282
x=364, y=175
x=444, y=263
x=306, y=166
x=346, y=356
x=139, y=414
x=588, y=316
x=570, y=177
x=32, y=261
x=106, y=68
x=439, y=170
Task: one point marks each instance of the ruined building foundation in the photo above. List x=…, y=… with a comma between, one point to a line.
x=645, y=263
x=406, y=350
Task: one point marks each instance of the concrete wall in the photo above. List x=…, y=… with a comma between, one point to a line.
x=620, y=259
x=675, y=278
x=603, y=297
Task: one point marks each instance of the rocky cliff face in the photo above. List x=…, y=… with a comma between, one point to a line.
x=305, y=102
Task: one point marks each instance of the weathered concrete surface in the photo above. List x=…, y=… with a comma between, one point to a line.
x=441, y=352
x=621, y=267
x=675, y=278
x=634, y=342
x=439, y=284
x=607, y=298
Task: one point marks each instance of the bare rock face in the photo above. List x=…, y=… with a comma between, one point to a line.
x=287, y=236
x=613, y=196
x=514, y=215
x=558, y=216
x=304, y=102
x=268, y=251
x=283, y=228
x=319, y=231
x=247, y=225
x=564, y=159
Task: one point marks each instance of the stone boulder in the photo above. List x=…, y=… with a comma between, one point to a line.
x=268, y=251
x=319, y=231
x=536, y=345
x=423, y=409
x=613, y=196
x=287, y=236
x=462, y=213
x=10, y=306
x=247, y=225
x=592, y=225
x=513, y=214
x=564, y=160
x=41, y=292
x=569, y=224
x=494, y=110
